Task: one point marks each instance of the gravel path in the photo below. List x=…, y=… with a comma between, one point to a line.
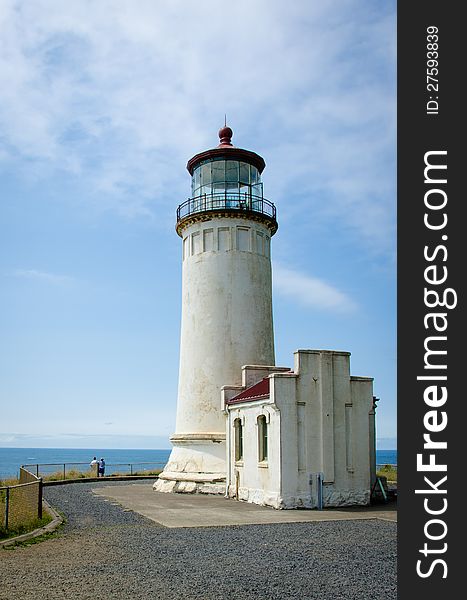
x=104, y=552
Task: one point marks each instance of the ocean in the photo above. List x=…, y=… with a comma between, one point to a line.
x=384, y=457
x=12, y=458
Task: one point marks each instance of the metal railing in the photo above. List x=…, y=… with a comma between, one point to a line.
x=61, y=471
x=226, y=201
x=382, y=465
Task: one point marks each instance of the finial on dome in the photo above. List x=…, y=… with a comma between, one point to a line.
x=225, y=135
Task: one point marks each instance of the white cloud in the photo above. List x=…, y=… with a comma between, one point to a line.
x=82, y=440
x=310, y=291
x=119, y=94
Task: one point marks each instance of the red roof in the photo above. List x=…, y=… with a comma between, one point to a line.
x=259, y=391
x=227, y=151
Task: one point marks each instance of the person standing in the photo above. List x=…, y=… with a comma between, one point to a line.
x=94, y=466
x=101, y=470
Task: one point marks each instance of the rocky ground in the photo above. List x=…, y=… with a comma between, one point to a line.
x=104, y=552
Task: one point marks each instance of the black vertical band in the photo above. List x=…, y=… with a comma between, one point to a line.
x=431, y=308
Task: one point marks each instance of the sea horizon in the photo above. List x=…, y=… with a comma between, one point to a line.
x=12, y=458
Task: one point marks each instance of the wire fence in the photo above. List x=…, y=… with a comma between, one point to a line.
x=21, y=504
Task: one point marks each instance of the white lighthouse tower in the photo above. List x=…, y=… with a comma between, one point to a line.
x=226, y=228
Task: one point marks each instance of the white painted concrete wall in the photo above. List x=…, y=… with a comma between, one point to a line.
x=252, y=480
x=249, y=479
x=226, y=315
x=320, y=421
x=226, y=323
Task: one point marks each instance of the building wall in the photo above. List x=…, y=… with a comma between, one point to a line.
x=248, y=479
x=319, y=422
x=226, y=315
x=252, y=480
x=226, y=322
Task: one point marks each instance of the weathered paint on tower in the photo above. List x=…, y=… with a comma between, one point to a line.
x=226, y=229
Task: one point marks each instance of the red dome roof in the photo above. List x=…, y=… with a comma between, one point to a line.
x=227, y=151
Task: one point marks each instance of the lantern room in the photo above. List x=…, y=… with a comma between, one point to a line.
x=222, y=176
x=224, y=180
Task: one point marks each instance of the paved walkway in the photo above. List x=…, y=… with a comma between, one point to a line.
x=198, y=510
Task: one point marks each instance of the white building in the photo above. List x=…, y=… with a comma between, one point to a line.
x=293, y=426
x=259, y=433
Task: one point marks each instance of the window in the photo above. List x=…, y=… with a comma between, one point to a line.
x=238, y=439
x=262, y=439
x=196, y=181
x=231, y=171
x=254, y=175
x=205, y=180
x=218, y=172
x=230, y=178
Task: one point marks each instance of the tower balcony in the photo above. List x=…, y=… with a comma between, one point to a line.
x=226, y=203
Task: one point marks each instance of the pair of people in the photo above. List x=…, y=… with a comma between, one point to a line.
x=100, y=465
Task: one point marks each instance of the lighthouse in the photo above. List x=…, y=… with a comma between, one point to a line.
x=301, y=436
x=225, y=228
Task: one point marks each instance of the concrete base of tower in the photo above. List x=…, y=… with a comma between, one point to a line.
x=178, y=486
x=196, y=465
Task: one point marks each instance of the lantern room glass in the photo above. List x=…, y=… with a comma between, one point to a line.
x=230, y=180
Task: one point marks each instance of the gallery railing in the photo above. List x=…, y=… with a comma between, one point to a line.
x=226, y=201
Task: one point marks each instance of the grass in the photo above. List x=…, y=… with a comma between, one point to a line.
x=71, y=474
x=389, y=472
x=26, y=528
x=7, y=482
x=76, y=474
x=57, y=476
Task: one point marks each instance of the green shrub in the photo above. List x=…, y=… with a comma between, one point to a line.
x=388, y=471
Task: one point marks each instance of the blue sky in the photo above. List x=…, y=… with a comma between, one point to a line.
x=102, y=104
